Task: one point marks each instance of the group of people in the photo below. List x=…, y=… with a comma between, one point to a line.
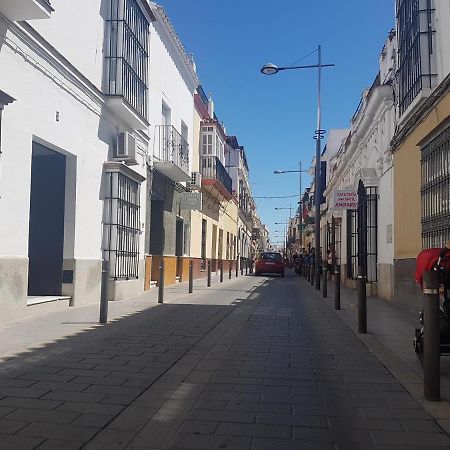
x=307, y=256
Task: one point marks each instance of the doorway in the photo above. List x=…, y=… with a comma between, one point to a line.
x=46, y=224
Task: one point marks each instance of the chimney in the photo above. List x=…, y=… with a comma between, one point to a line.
x=194, y=66
x=210, y=107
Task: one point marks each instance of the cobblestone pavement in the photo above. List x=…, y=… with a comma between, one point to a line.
x=255, y=363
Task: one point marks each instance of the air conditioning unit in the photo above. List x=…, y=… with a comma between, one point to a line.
x=196, y=180
x=126, y=148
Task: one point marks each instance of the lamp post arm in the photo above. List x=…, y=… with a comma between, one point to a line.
x=313, y=66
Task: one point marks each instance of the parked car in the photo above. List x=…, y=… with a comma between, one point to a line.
x=270, y=262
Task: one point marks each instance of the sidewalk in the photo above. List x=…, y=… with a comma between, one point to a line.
x=254, y=363
x=70, y=321
x=390, y=332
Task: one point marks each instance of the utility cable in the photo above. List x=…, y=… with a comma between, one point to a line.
x=270, y=197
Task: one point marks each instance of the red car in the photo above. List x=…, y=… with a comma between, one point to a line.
x=269, y=262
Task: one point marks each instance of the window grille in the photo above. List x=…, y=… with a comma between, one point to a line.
x=415, y=47
x=121, y=225
x=367, y=231
x=435, y=191
x=352, y=244
x=127, y=53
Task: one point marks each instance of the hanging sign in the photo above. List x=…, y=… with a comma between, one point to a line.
x=345, y=199
x=191, y=200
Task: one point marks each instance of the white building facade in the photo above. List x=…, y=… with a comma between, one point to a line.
x=74, y=150
x=363, y=163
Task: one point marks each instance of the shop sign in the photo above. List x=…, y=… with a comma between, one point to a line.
x=345, y=199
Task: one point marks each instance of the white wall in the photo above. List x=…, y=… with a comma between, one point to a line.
x=441, y=39
x=59, y=109
x=76, y=30
x=167, y=83
x=33, y=116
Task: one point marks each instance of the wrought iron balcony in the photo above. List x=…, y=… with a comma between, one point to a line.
x=171, y=153
x=127, y=54
x=214, y=174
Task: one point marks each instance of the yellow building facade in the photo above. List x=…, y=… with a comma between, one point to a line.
x=431, y=119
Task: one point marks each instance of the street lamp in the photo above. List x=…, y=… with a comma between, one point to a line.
x=271, y=69
x=279, y=172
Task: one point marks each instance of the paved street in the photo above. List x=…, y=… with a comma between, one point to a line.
x=254, y=363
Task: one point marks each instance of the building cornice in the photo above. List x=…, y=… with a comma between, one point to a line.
x=421, y=113
x=369, y=121
x=163, y=19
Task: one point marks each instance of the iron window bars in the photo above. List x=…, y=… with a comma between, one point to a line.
x=362, y=232
x=127, y=54
x=435, y=191
x=121, y=226
x=415, y=49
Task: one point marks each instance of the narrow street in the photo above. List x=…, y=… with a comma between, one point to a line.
x=254, y=363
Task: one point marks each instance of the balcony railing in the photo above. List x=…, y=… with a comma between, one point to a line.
x=213, y=168
x=171, y=147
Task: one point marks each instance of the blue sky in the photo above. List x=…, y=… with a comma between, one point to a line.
x=274, y=117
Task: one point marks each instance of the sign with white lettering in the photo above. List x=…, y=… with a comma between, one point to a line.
x=191, y=200
x=345, y=199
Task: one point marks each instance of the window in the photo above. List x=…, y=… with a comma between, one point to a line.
x=121, y=225
x=207, y=140
x=436, y=191
x=271, y=256
x=127, y=53
x=415, y=47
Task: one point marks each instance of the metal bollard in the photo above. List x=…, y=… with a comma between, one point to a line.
x=237, y=268
x=221, y=271
x=209, y=273
x=161, y=281
x=324, y=287
x=191, y=276
x=246, y=267
x=313, y=273
x=104, y=293
x=229, y=270
x=362, y=305
x=308, y=272
x=337, y=288
x=431, y=338
x=242, y=268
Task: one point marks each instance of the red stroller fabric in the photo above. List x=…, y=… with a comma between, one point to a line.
x=427, y=259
